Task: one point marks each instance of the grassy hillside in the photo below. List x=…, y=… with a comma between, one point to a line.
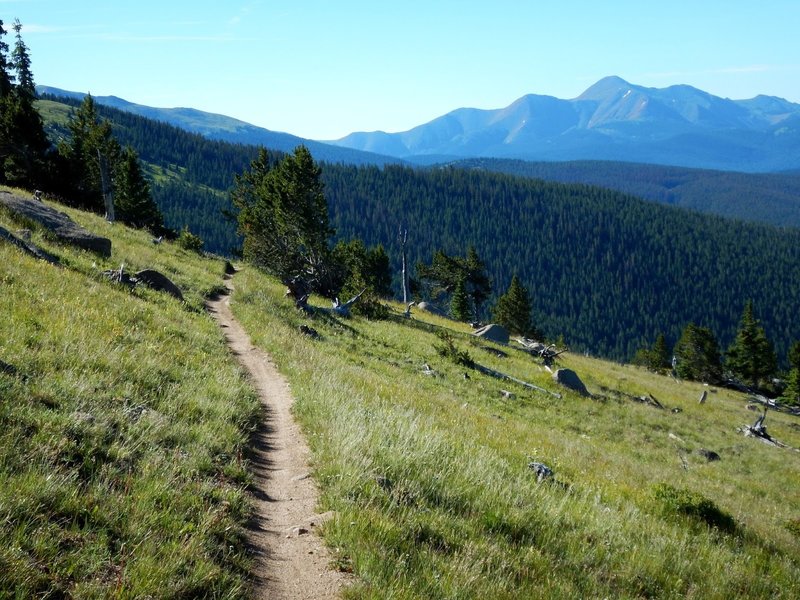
x=122, y=423
x=124, y=427
x=429, y=474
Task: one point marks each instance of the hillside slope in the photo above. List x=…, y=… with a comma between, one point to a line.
x=425, y=463
x=123, y=421
x=608, y=271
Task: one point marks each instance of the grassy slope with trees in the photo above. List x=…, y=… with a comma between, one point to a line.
x=124, y=424
x=606, y=270
x=429, y=478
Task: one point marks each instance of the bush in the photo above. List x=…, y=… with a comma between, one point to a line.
x=189, y=241
x=448, y=349
x=674, y=501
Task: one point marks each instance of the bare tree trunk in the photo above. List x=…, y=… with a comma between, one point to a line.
x=108, y=196
x=403, y=237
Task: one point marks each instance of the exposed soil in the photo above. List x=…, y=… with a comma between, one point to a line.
x=291, y=561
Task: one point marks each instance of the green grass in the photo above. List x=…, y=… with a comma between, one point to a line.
x=428, y=475
x=122, y=426
x=124, y=423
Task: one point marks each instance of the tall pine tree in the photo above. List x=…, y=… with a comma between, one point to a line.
x=133, y=202
x=26, y=143
x=513, y=310
x=90, y=151
x=460, y=308
x=697, y=355
x=751, y=358
x=283, y=216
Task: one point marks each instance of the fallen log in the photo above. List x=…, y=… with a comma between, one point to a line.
x=503, y=376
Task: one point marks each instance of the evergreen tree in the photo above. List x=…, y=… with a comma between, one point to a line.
x=362, y=268
x=460, y=308
x=23, y=143
x=284, y=218
x=513, y=310
x=6, y=78
x=132, y=199
x=656, y=358
x=444, y=273
x=697, y=354
x=791, y=395
x=22, y=64
x=751, y=357
x=479, y=283
x=794, y=355
x=90, y=151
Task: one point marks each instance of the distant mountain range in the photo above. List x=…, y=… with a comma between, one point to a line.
x=227, y=129
x=612, y=120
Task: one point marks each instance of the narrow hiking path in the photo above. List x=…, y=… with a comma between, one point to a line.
x=291, y=562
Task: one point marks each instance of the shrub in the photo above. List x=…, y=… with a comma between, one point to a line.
x=189, y=241
x=448, y=349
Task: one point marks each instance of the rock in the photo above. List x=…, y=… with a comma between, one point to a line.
x=507, y=394
x=709, y=455
x=229, y=268
x=570, y=380
x=430, y=308
x=157, y=281
x=494, y=333
x=542, y=471
x=64, y=228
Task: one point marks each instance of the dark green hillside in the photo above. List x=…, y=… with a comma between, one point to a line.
x=190, y=174
x=772, y=198
x=606, y=270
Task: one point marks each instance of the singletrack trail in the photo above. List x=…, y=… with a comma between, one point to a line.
x=291, y=562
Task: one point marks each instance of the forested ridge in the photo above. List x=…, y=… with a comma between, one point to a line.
x=606, y=270
x=772, y=198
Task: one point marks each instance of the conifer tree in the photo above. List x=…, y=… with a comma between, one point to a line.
x=132, y=199
x=791, y=395
x=6, y=78
x=26, y=143
x=90, y=149
x=22, y=64
x=656, y=358
x=697, y=354
x=460, y=308
x=284, y=218
x=513, y=310
x=751, y=357
x=444, y=273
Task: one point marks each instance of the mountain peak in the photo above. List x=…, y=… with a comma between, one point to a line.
x=604, y=88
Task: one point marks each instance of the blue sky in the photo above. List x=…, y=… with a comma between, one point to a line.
x=322, y=69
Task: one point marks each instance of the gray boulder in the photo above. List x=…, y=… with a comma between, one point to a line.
x=428, y=307
x=570, y=380
x=157, y=281
x=64, y=228
x=494, y=333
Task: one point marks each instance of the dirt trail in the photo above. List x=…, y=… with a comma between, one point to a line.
x=291, y=560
